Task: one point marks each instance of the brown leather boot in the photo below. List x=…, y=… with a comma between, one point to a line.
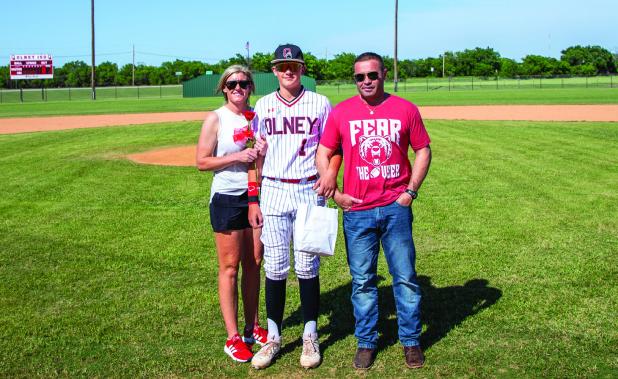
x=414, y=356
x=364, y=358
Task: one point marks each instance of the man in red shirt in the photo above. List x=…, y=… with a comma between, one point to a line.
x=374, y=130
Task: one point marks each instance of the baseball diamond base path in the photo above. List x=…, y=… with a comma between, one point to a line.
x=467, y=112
x=523, y=112
x=185, y=155
x=44, y=124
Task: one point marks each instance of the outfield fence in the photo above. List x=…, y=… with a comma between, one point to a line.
x=470, y=83
x=31, y=95
x=325, y=87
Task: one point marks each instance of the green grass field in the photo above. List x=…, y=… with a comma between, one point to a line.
x=108, y=267
x=334, y=93
x=482, y=84
x=493, y=96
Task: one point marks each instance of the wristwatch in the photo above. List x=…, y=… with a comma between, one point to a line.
x=413, y=194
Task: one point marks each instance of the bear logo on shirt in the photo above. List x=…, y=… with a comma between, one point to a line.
x=375, y=150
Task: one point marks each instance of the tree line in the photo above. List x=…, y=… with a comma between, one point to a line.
x=479, y=62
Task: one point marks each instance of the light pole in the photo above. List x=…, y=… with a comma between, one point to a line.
x=443, y=58
x=92, y=74
x=133, y=69
x=395, y=58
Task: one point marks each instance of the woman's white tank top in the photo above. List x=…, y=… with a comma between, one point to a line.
x=231, y=180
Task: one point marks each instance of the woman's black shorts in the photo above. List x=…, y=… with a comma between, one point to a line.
x=229, y=212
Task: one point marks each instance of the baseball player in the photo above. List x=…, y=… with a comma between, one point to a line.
x=291, y=120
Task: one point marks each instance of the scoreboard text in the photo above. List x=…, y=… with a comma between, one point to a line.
x=34, y=66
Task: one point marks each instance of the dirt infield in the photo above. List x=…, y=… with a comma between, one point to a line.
x=185, y=155
x=475, y=112
x=523, y=112
x=173, y=156
x=44, y=124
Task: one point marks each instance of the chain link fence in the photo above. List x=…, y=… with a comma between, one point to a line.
x=31, y=95
x=335, y=87
x=470, y=83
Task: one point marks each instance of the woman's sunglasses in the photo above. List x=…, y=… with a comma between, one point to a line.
x=373, y=75
x=242, y=83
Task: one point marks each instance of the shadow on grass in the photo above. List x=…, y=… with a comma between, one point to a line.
x=442, y=309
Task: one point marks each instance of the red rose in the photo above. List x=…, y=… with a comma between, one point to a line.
x=243, y=134
x=249, y=115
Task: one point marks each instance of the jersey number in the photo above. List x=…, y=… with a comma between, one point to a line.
x=301, y=151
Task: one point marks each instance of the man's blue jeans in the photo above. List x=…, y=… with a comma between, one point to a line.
x=392, y=225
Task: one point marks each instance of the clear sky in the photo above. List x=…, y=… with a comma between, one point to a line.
x=213, y=30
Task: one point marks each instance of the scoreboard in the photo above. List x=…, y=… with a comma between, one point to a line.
x=33, y=66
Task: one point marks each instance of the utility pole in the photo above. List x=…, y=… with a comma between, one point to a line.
x=133, y=69
x=395, y=59
x=248, y=61
x=92, y=74
x=443, y=58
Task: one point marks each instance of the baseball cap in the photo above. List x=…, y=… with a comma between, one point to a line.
x=288, y=53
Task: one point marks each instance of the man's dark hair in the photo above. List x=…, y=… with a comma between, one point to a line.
x=370, y=56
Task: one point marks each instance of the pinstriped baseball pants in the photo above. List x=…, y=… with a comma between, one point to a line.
x=279, y=202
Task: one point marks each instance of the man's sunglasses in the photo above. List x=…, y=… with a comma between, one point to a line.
x=242, y=83
x=283, y=67
x=373, y=75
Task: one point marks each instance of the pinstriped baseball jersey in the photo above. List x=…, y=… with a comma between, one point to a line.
x=292, y=130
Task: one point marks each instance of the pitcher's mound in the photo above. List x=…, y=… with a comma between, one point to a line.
x=173, y=156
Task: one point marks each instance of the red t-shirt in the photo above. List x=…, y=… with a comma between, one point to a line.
x=375, y=147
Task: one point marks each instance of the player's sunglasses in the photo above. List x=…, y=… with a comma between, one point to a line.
x=373, y=75
x=292, y=66
x=242, y=83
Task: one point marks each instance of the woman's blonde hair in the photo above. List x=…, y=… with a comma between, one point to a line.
x=231, y=71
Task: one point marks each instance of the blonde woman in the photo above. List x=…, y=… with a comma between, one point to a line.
x=222, y=149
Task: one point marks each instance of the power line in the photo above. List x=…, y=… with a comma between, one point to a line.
x=176, y=56
x=119, y=53
x=87, y=55
x=81, y=55
x=127, y=53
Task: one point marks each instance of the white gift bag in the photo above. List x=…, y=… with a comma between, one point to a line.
x=315, y=231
